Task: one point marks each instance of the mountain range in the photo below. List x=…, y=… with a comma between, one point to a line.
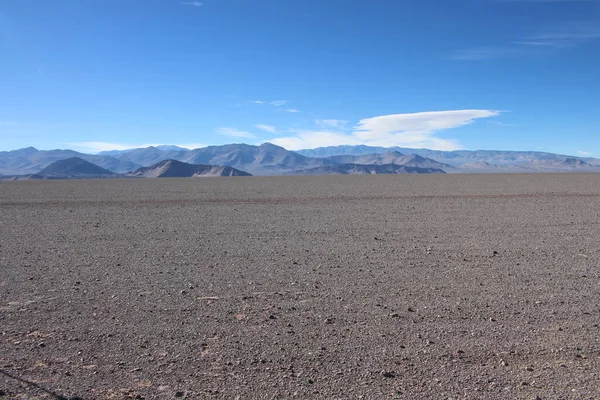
x=457, y=158
x=366, y=169
x=78, y=168
x=269, y=159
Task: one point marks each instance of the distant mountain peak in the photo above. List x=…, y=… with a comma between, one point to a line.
x=171, y=147
x=394, y=153
x=26, y=150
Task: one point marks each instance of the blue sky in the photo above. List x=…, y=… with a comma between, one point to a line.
x=445, y=74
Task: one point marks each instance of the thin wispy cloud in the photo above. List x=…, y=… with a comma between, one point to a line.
x=499, y=123
x=292, y=110
x=413, y=130
x=274, y=103
x=545, y=41
x=233, y=132
x=584, y=153
x=192, y=3
x=490, y=52
x=266, y=128
x=568, y=34
x=561, y=36
x=331, y=123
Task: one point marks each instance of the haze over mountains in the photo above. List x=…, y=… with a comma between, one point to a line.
x=269, y=159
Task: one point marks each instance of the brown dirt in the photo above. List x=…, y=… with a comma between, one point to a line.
x=373, y=287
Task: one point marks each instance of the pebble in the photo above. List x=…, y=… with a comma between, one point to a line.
x=388, y=374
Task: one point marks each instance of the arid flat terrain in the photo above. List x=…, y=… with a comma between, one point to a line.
x=324, y=287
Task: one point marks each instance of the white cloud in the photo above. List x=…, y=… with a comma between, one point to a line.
x=331, y=123
x=190, y=146
x=278, y=103
x=233, y=132
x=584, y=153
x=192, y=3
x=96, y=147
x=102, y=146
x=258, y=102
x=406, y=130
x=292, y=110
x=313, y=139
x=267, y=128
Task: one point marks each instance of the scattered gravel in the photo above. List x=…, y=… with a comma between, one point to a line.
x=373, y=287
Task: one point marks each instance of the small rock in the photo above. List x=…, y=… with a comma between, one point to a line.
x=529, y=368
x=388, y=374
x=395, y=315
x=410, y=309
x=179, y=394
x=272, y=316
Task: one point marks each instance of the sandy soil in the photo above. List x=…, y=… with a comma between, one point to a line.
x=346, y=287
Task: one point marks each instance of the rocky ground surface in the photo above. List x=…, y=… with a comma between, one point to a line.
x=372, y=287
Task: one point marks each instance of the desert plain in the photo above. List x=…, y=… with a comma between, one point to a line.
x=320, y=287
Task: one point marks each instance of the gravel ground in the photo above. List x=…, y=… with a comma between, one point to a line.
x=345, y=287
